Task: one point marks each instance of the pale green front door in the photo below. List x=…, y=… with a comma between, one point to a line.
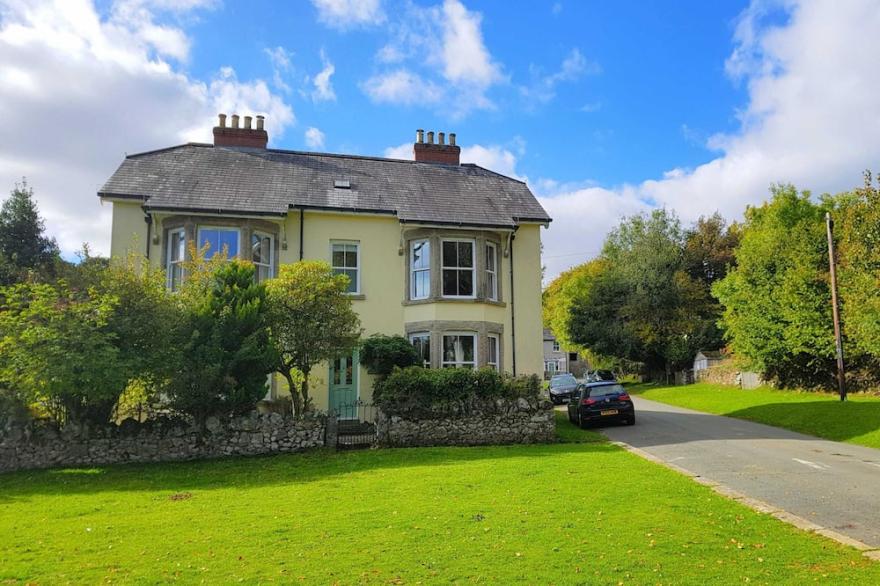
x=344, y=386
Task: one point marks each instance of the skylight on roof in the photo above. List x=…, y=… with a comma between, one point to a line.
x=342, y=184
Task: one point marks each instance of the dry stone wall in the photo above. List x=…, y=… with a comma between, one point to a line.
x=504, y=422
x=41, y=446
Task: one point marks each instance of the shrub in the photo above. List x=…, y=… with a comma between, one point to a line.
x=433, y=392
x=225, y=355
x=382, y=354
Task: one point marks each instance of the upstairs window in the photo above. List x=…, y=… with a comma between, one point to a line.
x=262, y=251
x=459, y=350
x=555, y=346
x=176, y=257
x=420, y=269
x=345, y=260
x=458, y=268
x=491, y=271
x=219, y=240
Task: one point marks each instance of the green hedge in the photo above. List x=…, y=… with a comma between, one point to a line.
x=417, y=390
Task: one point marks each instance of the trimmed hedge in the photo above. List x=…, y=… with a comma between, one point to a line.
x=417, y=390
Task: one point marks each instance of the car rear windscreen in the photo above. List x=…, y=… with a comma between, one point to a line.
x=606, y=390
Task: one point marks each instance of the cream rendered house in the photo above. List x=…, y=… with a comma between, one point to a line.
x=447, y=254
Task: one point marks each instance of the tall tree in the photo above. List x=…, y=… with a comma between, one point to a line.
x=777, y=308
x=23, y=243
x=311, y=320
x=858, y=234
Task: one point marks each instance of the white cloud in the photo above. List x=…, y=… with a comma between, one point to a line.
x=314, y=138
x=458, y=71
x=573, y=67
x=466, y=60
x=493, y=157
x=812, y=119
x=323, y=91
x=403, y=87
x=80, y=90
x=347, y=14
x=282, y=63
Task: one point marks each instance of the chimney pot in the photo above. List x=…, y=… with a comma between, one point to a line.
x=425, y=151
x=420, y=136
x=441, y=138
x=430, y=137
x=246, y=137
x=451, y=139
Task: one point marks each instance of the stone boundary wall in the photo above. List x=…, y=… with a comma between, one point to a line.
x=504, y=422
x=40, y=446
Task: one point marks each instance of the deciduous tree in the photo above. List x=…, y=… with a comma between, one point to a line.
x=311, y=320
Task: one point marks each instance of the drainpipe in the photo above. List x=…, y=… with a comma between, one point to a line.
x=511, y=238
x=302, y=227
x=148, y=218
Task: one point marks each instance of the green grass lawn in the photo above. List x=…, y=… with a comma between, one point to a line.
x=580, y=511
x=855, y=421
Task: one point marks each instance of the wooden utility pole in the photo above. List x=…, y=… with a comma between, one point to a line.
x=835, y=309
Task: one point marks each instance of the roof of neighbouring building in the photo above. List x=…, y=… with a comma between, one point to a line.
x=711, y=354
x=202, y=178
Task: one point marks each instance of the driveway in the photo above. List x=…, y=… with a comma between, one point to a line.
x=832, y=484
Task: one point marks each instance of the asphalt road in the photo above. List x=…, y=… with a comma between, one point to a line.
x=833, y=484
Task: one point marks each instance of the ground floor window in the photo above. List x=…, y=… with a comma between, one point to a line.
x=492, y=352
x=219, y=241
x=422, y=343
x=459, y=350
x=551, y=366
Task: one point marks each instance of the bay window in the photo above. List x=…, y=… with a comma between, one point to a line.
x=459, y=350
x=492, y=352
x=458, y=272
x=176, y=255
x=345, y=260
x=420, y=269
x=218, y=241
x=262, y=251
x=491, y=271
x=421, y=341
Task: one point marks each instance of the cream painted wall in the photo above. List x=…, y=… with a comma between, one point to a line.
x=383, y=274
x=128, y=231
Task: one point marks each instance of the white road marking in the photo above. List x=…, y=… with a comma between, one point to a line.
x=683, y=458
x=812, y=464
x=873, y=464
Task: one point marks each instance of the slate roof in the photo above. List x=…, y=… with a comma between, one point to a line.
x=207, y=179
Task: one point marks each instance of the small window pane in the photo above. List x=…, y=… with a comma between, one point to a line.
x=338, y=257
x=421, y=284
x=421, y=258
x=219, y=240
x=351, y=257
x=450, y=282
x=465, y=254
x=465, y=283
x=450, y=254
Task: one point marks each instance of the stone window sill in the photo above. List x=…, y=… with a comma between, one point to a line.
x=452, y=300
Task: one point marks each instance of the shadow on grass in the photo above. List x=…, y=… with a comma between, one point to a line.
x=834, y=420
x=256, y=471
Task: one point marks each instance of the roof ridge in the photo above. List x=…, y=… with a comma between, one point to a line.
x=166, y=149
x=494, y=172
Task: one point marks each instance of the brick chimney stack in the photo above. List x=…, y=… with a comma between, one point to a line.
x=247, y=137
x=429, y=152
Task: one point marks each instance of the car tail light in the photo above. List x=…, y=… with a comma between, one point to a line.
x=588, y=401
x=623, y=397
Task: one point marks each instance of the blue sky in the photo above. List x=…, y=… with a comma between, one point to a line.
x=606, y=109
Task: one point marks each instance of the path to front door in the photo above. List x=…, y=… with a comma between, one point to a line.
x=344, y=386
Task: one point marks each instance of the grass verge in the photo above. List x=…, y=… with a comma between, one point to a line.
x=855, y=421
x=580, y=511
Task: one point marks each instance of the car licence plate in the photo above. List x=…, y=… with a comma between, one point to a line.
x=608, y=412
